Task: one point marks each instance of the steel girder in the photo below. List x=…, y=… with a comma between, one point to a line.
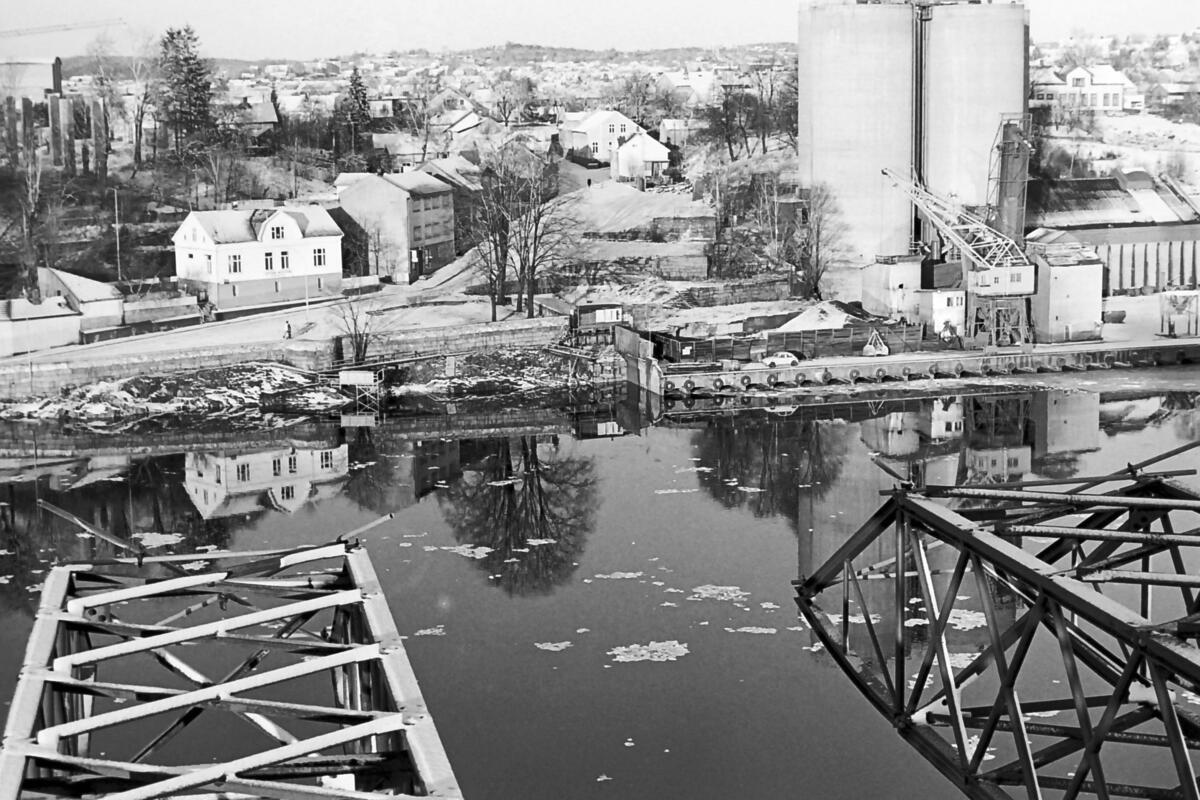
x=1024, y=637
x=295, y=647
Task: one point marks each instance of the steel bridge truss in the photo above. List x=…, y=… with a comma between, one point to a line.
x=1034, y=641
x=276, y=674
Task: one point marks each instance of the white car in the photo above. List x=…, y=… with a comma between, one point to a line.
x=781, y=359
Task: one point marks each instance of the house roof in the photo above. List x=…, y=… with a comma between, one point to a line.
x=86, y=290
x=242, y=225
x=1104, y=201
x=257, y=114
x=1046, y=77
x=417, y=183
x=456, y=170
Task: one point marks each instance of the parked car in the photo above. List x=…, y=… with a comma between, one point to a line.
x=781, y=359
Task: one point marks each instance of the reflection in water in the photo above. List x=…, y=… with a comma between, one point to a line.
x=766, y=464
x=533, y=506
x=226, y=484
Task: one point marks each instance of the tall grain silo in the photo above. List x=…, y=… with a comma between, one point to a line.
x=974, y=75
x=856, y=98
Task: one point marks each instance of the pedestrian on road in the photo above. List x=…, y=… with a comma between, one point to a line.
x=289, y=330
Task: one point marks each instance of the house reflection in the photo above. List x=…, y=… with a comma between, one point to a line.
x=224, y=484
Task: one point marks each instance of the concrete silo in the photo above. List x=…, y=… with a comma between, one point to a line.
x=856, y=97
x=974, y=75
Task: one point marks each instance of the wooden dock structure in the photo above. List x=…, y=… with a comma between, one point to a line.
x=292, y=655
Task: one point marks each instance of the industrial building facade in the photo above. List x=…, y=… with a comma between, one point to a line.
x=927, y=100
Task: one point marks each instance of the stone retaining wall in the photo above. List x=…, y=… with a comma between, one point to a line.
x=480, y=337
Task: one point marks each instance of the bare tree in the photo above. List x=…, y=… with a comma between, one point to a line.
x=823, y=239
x=419, y=112
x=512, y=95
x=33, y=209
x=143, y=68
x=362, y=319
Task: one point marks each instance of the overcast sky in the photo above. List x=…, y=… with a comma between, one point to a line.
x=299, y=29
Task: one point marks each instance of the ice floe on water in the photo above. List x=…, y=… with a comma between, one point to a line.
x=768, y=606
x=654, y=651
x=436, y=630
x=711, y=592
x=961, y=660
x=540, y=542
x=749, y=489
x=603, y=778
x=156, y=539
x=676, y=491
x=964, y=620
x=751, y=629
x=193, y=566
x=553, y=647
x=504, y=482
x=468, y=551
x=854, y=619
x=618, y=576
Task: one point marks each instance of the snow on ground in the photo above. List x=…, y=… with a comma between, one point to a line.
x=1141, y=323
x=1138, y=141
x=719, y=315
x=614, y=207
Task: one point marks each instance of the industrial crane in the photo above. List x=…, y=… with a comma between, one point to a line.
x=997, y=275
x=66, y=26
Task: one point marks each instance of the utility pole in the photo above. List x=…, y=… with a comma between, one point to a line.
x=117, y=229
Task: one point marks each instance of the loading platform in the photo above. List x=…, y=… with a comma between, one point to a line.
x=276, y=674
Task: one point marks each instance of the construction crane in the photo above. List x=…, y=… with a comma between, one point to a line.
x=66, y=26
x=997, y=275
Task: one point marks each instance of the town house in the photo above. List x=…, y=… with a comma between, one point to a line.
x=407, y=220
x=1097, y=88
x=599, y=134
x=262, y=257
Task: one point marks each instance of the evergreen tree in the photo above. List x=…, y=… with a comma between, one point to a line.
x=356, y=109
x=185, y=89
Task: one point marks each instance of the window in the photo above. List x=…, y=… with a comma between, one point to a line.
x=1016, y=278
x=208, y=264
x=949, y=426
x=276, y=467
x=622, y=128
x=611, y=128
x=320, y=283
x=595, y=148
x=234, y=289
x=218, y=476
x=191, y=256
x=243, y=472
x=949, y=302
x=283, y=260
x=1012, y=461
x=287, y=492
x=276, y=287
x=268, y=261
x=292, y=464
x=235, y=264
x=326, y=459
x=1077, y=81
x=319, y=257
x=276, y=231
x=995, y=280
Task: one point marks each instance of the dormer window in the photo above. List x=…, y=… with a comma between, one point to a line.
x=276, y=231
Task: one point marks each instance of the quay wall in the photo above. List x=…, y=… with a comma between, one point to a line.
x=912, y=366
x=43, y=378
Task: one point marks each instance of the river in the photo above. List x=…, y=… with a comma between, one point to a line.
x=589, y=532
